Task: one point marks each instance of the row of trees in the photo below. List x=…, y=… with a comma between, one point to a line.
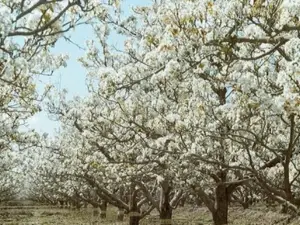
x=203, y=100
x=29, y=30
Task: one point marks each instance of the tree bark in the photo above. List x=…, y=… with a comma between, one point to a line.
x=123, y=197
x=198, y=202
x=134, y=212
x=103, y=208
x=182, y=201
x=165, y=213
x=220, y=213
x=120, y=214
x=95, y=211
x=286, y=165
x=68, y=205
x=134, y=218
x=61, y=204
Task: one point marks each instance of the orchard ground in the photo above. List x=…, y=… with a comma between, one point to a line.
x=43, y=214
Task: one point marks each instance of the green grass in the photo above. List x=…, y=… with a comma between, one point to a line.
x=182, y=216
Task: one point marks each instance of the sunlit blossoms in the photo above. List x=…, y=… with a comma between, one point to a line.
x=202, y=100
x=28, y=32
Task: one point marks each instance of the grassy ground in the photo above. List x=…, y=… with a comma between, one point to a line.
x=182, y=216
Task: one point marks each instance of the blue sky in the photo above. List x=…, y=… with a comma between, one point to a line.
x=72, y=78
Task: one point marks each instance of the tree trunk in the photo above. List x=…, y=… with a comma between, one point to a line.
x=134, y=218
x=77, y=205
x=220, y=213
x=219, y=219
x=61, y=204
x=123, y=197
x=95, y=211
x=182, y=202
x=120, y=214
x=103, y=208
x=245, y=204
x=246, y=200
x=165, y=213
x=166, y=216
x=134, y=212
x=198, y=202
x=286, y=165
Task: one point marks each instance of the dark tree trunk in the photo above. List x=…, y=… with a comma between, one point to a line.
x=284, y=208
x=73, y=205
x=245, y=205
x=61, y=204
x=123, y=197
x=286, y=166
x=103, y=208
x=246, y=200
x=69, y=205
x=78, y=205
x=165, y=213
x=182, y=202
x=166, y=217
x=134, y=212
x=220, y=214
x=95, y=211
x=219, y=219
x=84, y=205
x=198, y=202
x=134, y=218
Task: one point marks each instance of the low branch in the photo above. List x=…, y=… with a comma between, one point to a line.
x=147, y=194
x=175, y=200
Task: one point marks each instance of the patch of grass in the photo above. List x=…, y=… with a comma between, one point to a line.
x=182, y=216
